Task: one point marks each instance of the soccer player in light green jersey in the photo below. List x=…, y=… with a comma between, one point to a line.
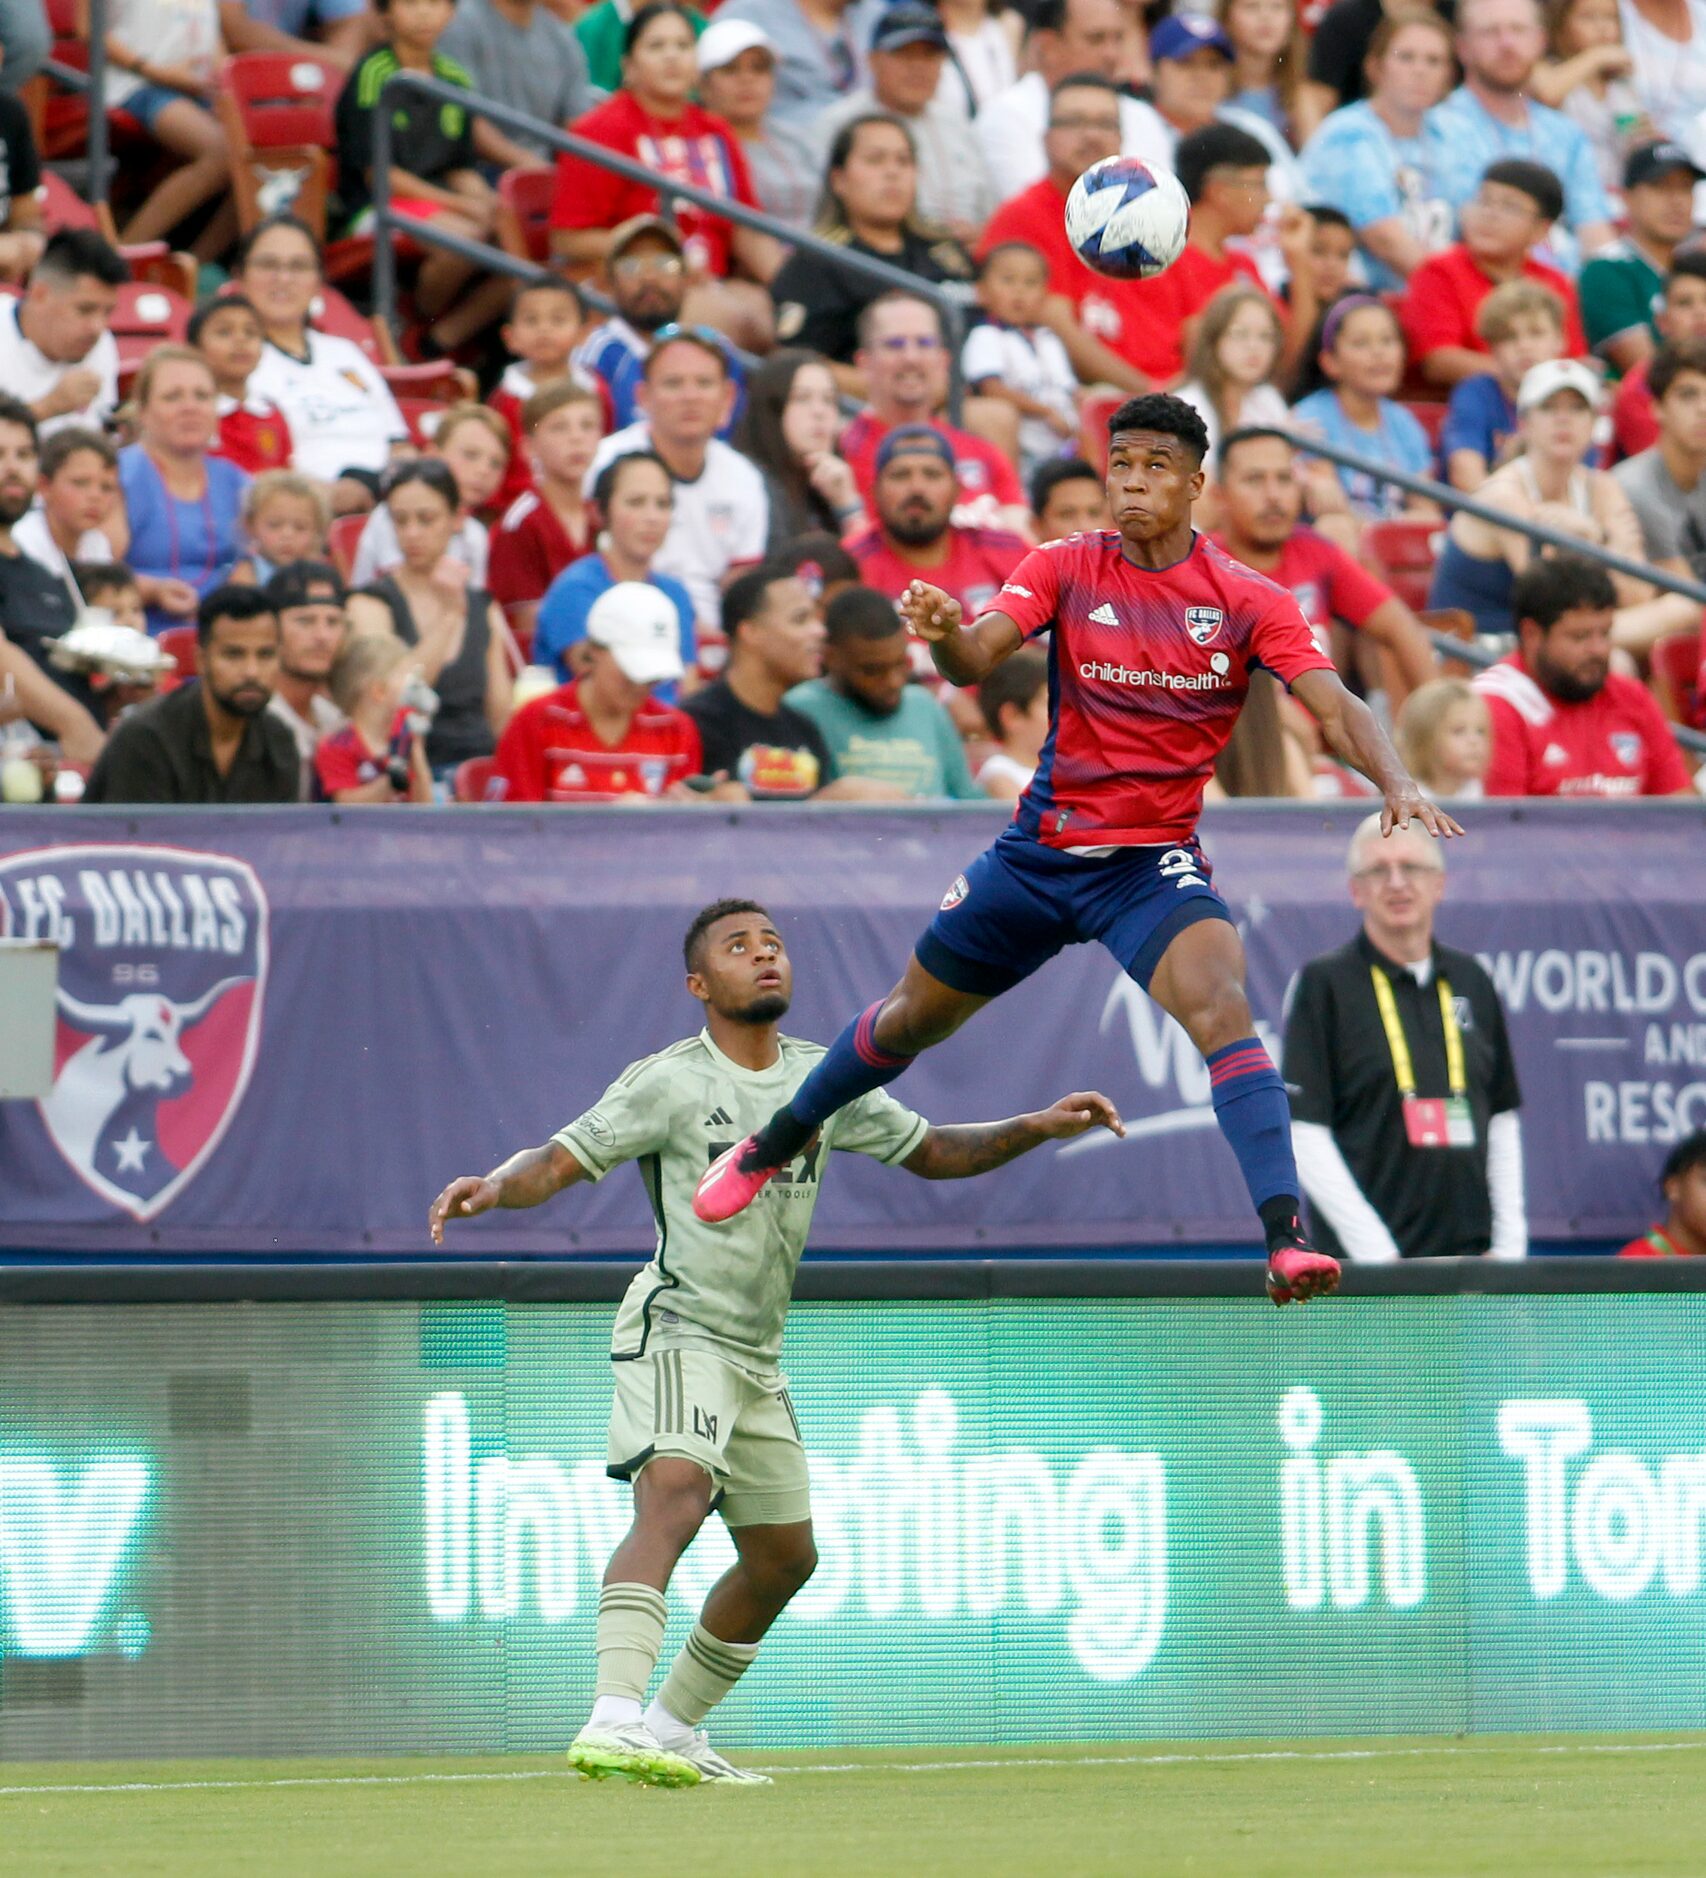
x=702, y=1418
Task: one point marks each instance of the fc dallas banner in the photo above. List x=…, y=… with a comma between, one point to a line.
x=284, y=1030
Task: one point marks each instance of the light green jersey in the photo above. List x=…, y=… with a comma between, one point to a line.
x=674, y=1113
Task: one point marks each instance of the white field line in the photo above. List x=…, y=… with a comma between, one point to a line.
x=1210, y=1757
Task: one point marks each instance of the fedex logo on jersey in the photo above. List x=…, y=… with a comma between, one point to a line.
x=162, y=974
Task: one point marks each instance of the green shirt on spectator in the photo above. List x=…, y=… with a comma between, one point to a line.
x=916, y=748
x=1618, y=290
x=601, y=32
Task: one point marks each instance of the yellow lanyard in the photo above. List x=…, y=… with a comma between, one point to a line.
x=1402, y=1067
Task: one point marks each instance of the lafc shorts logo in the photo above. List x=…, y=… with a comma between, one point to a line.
x=955, y=894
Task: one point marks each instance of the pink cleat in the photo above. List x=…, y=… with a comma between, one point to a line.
x=1300, y=1272
x=726, y=1188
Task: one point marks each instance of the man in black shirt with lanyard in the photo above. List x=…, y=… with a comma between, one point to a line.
x=1403, y=1092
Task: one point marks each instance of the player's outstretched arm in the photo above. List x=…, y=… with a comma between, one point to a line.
x=1354, y=735
x=976, y=1148
x=529, y=1178
x=964, y=655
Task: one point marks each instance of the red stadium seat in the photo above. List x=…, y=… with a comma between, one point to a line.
x=153, y=261
x=146, y=316
x=1405, y=551
x=332, y=313
x=342, y=540
x=276, y=111
x=180, y=643
x=524, y=213
x=422, y=415
x=1431, y=417
x=440, y=380
x=476, y=780
x=1677, y=665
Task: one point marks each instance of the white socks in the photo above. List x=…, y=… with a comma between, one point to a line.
x=613, y=1711
x=670, y=1731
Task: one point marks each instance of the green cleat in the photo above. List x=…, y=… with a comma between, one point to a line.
x=630, y=1752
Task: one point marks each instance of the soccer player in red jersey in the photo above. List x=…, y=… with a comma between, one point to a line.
x=1152, y=634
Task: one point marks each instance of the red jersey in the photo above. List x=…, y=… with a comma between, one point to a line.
x=342, y=759
x=1148, y=669
x=1326, y=583
x=981, y=468
x=254, y=435
x=977, y=562
x=1615, y=743
x=1439, y=305
x=1138, y=319
x=1634, y=428
x=695, y=148
x=1655, y=1244
x=549, y=752
x=513, y=390
x=530, y=548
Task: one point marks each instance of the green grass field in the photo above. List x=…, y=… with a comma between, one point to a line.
x=1553, y=1807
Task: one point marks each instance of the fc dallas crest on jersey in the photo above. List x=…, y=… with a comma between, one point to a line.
x=162, y=974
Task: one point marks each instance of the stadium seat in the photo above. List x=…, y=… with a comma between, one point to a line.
x=421, y=415
x=179, y=642
x=332, y=313
x=475, y=780
x=153, y=261
x=442, y=381
x=1431, y=417
x=146, y=316
x=524, y=210
x=1405, y=551
x=1677, y=664
x=342, y=540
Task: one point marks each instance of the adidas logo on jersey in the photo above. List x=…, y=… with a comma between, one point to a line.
x=719, y=1118
x=1104, y=615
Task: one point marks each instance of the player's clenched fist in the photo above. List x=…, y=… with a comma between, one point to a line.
x=930, y=612
x=462, y=1199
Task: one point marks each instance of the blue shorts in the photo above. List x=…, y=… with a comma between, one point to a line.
x=1018, y=903
x=146, y=103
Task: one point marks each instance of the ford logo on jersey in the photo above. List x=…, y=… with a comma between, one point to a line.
x=1203, y=622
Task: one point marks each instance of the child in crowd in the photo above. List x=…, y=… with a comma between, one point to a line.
x=1586, y=75
x=1332, y=248
x=547, y=526
x=472, y=442
x=544, y=327
x=1503, y=222
x=1014, y=703
x=285, y=518
x=112, y=585
x=1069, y=497
x=1014, y=357
x=378, y=756
x=253, y=434
x=1268, y=64
x=1362, y=357
x=1445, y=737
x=80, y=516
x=1520, y=323
x=1233, y=355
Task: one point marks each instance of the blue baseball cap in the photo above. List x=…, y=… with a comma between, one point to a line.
x=1181, y=34
x=913, y=440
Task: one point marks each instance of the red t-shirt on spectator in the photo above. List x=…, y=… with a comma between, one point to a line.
x=549, y=752
x=975, y=570
x=1439, y=305
x=1656, y=1244
x=1634, y=428
x=696, y=148
x=1326, y=582
x=513, y=390
x=1615, y=743
x=530, y=548
x=254, y=435
x=343, y=760
x=981, y=468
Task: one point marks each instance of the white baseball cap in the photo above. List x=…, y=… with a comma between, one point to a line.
x=639, y=626
x=723, y=41
x=1540, y=381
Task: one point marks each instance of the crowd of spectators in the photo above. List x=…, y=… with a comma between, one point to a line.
x=652, y=544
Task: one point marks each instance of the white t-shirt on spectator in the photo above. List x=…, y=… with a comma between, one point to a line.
x=340, y=411
x=378, y=552
x=27, y=372
x=1010, y=131
x=721, y=521
x=1034, y=364
x=35, y=538
x=1263, y=407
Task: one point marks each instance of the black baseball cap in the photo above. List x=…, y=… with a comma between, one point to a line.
x=908, y=24
x=1647, y=162
x=306, y=583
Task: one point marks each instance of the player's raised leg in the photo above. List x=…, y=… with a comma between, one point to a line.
x=1200, y=981
x=671, y=1499
x=873, y=1050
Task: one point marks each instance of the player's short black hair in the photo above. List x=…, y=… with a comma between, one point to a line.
x=860, y=613
x=1557, y=584
x=1251, y=433
x=1058, y=470
x=1324, y=215
x=1216, y=147
x=1161, y=411
x=1672, y=359
x=1688, y=1154
x=232, y=602
x=1533, y=180
x=743, y=598
x=706, y=918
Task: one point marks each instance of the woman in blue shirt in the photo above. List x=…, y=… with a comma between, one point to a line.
x=1362, y=358
x=184, y=505
x=634, y=498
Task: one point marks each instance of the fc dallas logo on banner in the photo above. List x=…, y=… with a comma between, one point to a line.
x=162, y=974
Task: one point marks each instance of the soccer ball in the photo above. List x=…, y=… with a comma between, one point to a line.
x=1128, y=218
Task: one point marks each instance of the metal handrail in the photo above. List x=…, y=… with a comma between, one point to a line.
x=94, y=82
x=385, y=218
